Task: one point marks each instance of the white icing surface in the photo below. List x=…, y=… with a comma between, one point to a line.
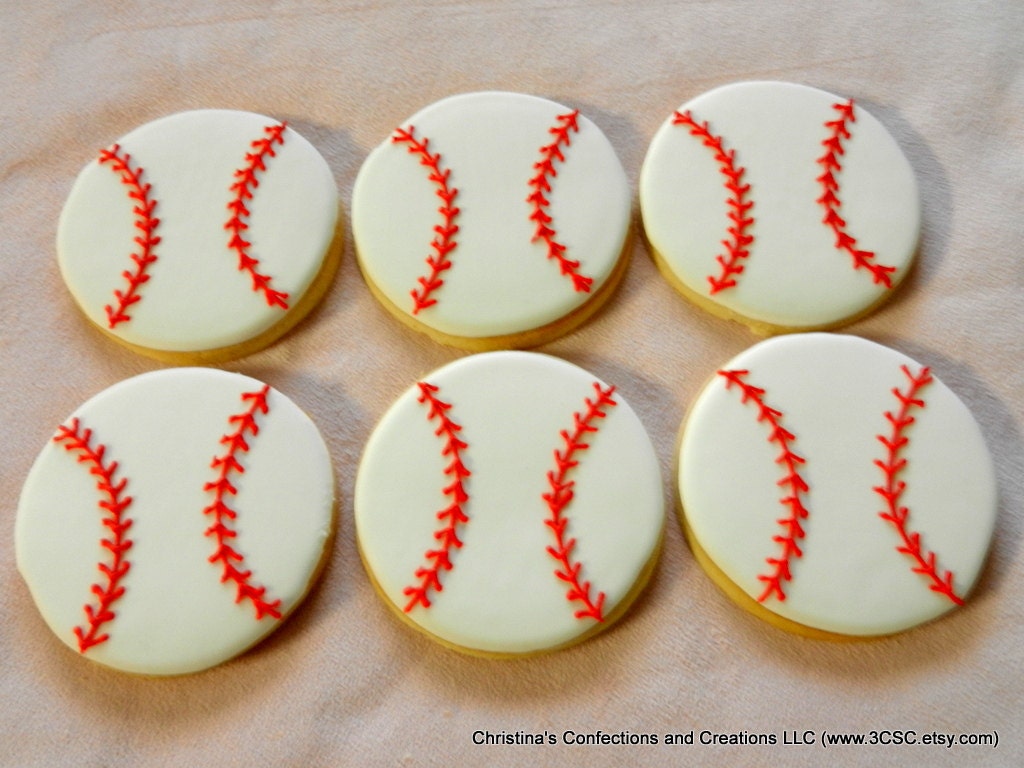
x=196, y=298
x=501, y=281
x=163, y=429
x=794, y=277
x=833, y=391
x=502, y=595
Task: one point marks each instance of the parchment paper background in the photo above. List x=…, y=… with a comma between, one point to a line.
x=343, y=682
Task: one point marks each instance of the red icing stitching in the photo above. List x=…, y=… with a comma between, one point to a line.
x=540, y=184
x=452, y=515
x=924, y=561
x=145, y=222
x=561, y=494
x=737, y=246
x=444, y=234
x=242, y=189
x=830, y=201
x=222, y=514
x=114, y=503
x=793, y=531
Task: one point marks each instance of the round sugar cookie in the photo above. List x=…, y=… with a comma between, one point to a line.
x=491, y=220
x=779, y=205
x=835, y=487
x=509, y=503
x=201, y=236
x=175, y=519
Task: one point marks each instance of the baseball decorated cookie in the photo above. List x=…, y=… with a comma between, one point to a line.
x=491, y=220
x=835, y=487
x=175, y=519
x=779, y=205
x=509, y=503
x=201, y=236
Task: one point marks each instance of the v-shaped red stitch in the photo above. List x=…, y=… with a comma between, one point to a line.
x=444, y=241
x=452, y=516
x=540, y=186
x=221, y=531
x=792, y=534
x=891, y=491
x=737, y=245
x=830, y=202
x=561, y=495
x=145, y=222
x=114, y=503
x=241, y=189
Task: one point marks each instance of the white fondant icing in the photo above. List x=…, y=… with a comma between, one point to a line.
x=501, y=595
x=833, y=392
x=163, y=429
x=501, y=280
x=794, y=276
x=196, y=298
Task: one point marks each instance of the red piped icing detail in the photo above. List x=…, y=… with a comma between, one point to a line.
x=925, y=563
x=451, y=516
x=540, y=183
x=444, y=233
x=230, y=559
x=242, y=190
x=829, y=200
x=561, y=494
x=146, y=240
x=795, y=485
x=114, y=502
x=737, y=246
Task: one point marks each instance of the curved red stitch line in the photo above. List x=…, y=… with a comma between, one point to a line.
x=118, y=544
x=830, y=201
x=737, y=247
x=540, y=183
x=242, y=188
x=145, y=222
x=452, y=515
x=561, y=494
x=444, y=234
x=792, y=529
x=222, y=514
x=924, y=562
